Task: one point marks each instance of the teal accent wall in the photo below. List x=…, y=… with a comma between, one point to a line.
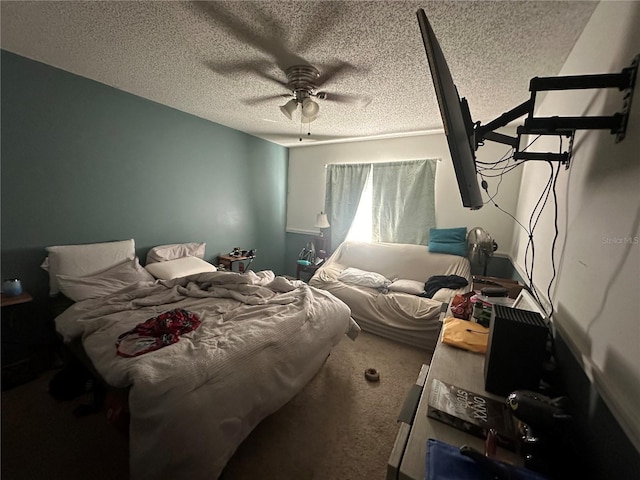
x=84, y=162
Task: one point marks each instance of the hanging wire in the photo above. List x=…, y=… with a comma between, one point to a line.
x=555, y=236
x=534, y=218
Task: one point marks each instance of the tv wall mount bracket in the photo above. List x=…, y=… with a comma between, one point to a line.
x=559, y=126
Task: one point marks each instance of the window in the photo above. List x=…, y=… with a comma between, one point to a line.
x=381, y=202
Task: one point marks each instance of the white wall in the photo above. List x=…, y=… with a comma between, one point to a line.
x=598, y=256
x=306, y=184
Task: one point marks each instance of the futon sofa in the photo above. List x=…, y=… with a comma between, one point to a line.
x=383, y=285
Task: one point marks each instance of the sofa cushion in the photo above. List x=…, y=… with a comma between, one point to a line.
x=448, y=240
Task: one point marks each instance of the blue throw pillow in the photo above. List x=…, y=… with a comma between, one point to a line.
x=448, y=240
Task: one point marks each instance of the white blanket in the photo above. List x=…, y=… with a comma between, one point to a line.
x=261, y=340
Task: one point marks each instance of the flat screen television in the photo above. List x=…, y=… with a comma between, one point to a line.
x=458, y=126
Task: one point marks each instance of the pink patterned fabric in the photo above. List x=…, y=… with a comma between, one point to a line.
x=157, y=332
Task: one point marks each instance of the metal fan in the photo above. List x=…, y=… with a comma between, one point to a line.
x=480, y=248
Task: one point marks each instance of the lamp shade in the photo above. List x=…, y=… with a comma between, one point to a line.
x=288, y=108
x=304, y=119
x=310, y=109
x=322, y=221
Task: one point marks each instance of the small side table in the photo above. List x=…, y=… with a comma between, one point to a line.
x=227, y=262
x=10, y=301
x=308, y=269
x=7, y=300
x=16, y=368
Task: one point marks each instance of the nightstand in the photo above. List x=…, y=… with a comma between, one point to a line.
x=7, y=301
x=227, y=262
x=17, y=367
x=307, y=269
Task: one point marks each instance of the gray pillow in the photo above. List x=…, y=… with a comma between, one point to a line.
x=103, y=283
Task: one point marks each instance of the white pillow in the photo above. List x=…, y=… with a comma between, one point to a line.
x=363, y=278
x=163, y=253
x=103, y=283
x=84, y=260
x=180, y=267
x=407, y=286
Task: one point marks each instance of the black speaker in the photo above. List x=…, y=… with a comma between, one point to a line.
x=515, y=350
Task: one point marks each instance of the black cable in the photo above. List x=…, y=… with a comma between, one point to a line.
x=514, y=218
x=555, y=236
x=505, y=158
x=536, y=213
x=507, y=170
x=531, y=243
x=552, y=342
x=485, y=185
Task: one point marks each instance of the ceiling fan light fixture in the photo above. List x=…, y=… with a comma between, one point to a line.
x=288, y=108
x=304, y=119
x=310, y=109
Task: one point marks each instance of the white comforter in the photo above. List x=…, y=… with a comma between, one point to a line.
x=262, y=338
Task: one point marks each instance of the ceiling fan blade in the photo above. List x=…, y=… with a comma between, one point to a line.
x=327, y=14
x=264, y=99
x=331, y=71
x=359, y=100
x=259, y=67
x=271, y=43
x=272, y=78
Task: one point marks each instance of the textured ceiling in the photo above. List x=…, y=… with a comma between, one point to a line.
x=215, y=59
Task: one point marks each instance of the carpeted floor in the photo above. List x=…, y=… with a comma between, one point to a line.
x=339, y=427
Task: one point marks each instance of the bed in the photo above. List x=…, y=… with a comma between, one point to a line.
x=192, y=402
x=384, y=286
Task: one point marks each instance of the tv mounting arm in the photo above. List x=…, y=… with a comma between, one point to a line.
x=564, y=126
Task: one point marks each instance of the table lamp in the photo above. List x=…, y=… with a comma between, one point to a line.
x=322, y=222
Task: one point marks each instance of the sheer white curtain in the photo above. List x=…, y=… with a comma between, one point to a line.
x=395, y=202
x=344, y=185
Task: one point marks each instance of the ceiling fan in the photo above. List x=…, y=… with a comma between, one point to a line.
x=303, y=82
x=303, y=79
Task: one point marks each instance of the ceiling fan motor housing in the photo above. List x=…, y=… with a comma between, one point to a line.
x=301, y=79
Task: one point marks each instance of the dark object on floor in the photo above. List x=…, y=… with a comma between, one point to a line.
x=70, y=382
x=73, y=381
x=372, y=375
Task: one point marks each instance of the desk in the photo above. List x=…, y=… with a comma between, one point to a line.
x=452, y=365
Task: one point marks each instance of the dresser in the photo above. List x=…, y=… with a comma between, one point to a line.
x=452, y=365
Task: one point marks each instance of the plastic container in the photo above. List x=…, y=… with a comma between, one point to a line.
x=12, y=287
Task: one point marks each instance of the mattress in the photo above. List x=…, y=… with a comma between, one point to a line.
x=262, y=338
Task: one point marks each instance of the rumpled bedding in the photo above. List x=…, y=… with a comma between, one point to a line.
x=262, y=338
x=355, y=276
